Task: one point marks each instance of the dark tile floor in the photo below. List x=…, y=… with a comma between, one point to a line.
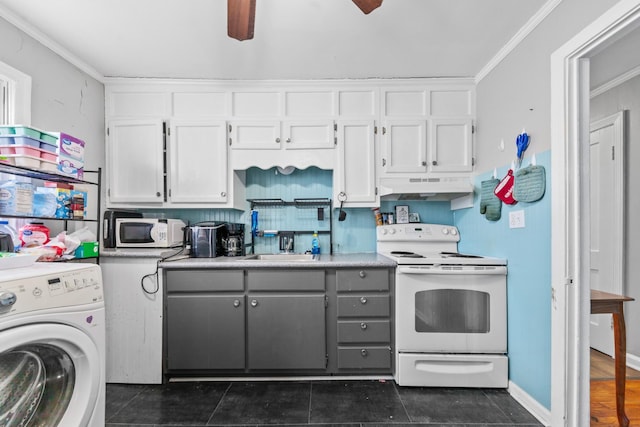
x=301, y=403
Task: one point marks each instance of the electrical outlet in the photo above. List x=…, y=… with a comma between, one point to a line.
x=516, y=219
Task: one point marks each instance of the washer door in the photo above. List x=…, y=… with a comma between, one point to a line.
x=49, y=376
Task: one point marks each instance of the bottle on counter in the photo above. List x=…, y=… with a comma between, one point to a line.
x=377, y=215
x=315, y=244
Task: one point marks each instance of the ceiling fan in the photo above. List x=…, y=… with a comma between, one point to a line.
x=241, y=15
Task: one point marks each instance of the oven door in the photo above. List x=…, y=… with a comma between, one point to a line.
x=451, y=309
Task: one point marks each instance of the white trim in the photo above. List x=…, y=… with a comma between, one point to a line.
x=530, y=404
x=19, y=92
x=523, y=32
x=569, y=224
x=633, y=361
x=616, y=82
x=49, y=43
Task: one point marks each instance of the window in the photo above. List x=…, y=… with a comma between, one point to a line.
x=15, y=96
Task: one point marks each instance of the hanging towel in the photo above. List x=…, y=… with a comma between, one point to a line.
x=529, y=184
x=490, y=205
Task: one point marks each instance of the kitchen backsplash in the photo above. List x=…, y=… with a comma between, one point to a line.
x=355, y=234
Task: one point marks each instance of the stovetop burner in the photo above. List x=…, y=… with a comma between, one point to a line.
x=405, y=254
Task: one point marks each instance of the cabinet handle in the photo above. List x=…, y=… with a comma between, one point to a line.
x=288, y=140
x=236, y=303
x=364, y=352
x=363, y=325
x=384, y=162
x=158, y=194
x=277, y=140
x=254, y=303
x=362, y=274
x=363, y=300
x=223, y=194
x=434, y=163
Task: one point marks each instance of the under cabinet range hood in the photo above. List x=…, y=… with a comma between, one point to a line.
x=433, y=188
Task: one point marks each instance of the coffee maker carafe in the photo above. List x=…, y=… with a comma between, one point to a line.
x=234, y=241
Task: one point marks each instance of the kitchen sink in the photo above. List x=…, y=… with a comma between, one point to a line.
x=282, y=257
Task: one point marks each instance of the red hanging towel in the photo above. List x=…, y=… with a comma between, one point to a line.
x=504, y=190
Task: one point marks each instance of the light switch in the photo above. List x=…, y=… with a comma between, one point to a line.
x=516, y=219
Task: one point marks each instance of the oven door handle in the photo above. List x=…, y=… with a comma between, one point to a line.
x=476, y=271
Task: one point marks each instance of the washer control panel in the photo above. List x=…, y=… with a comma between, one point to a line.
x=50, y=290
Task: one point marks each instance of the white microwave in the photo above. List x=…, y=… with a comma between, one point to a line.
x=149, y=232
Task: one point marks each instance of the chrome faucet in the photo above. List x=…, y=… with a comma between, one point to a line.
x=286, y=243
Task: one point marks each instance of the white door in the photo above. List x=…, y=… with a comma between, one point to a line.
x=197, y=161
x=606, y=246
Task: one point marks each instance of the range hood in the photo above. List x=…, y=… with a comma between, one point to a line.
x=434, y=188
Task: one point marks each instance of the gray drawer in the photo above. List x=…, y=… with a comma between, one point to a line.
x=286, y=280
x=356, y=331
x=365, y=357
x=360, y=305
x=362, y=279
x=204, y=280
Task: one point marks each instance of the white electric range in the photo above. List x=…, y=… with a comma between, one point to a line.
x=451, y=309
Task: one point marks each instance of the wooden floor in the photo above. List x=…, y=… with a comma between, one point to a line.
x=603, y=392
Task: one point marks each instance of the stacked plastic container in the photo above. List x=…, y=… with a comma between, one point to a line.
x=33, y=148
x=28, y=147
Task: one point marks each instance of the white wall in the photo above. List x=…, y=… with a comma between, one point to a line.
x=63, y=98
x=627, y=97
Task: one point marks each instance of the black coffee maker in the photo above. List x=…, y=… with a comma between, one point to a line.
x=233, y=243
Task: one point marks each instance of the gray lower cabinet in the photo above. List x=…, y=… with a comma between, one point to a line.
x=364, y=326
x=205, y=332
x=286, y=319
x=204, y=320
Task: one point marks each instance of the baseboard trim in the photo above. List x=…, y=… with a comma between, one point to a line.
x=633, y=361
x=530, y=404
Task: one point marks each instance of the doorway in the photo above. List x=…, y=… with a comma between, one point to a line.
x=570, y=271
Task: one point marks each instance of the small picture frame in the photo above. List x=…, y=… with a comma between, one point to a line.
x=402, y=214
x=414, y=217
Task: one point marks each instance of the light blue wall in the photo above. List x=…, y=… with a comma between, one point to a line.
x=528, y=253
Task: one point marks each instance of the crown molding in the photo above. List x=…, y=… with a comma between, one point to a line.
x=523, y=32
x=617, y=81
x=38, y=35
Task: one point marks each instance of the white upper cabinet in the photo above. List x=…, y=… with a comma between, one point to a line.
x=255, y=135
x=427, y=130
x=197, y=153
x=354, y=176
x=405, y=145
x=451, y=145
x=135, y=162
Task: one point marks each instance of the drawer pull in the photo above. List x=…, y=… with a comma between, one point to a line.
x=236, y=303
x=362, y=274
x=363, y=325
x=254, y=303
x=363, y=300
x=364, y=352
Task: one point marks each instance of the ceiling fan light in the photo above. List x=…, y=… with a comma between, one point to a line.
x=368, y=6
x=241, y=15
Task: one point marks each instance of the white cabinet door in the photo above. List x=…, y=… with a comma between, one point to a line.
x=355, y=172
x=450, y=145
x=302, y=134
x=405, y=146
x=197, y=153
x=135, y=161
x=261, y=135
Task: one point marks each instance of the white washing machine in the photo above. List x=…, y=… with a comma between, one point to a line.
x=52, y=346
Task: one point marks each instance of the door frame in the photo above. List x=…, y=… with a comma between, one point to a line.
x=570, y=206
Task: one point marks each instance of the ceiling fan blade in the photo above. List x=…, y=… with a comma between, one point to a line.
x=241, y=15
x=368, y=6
